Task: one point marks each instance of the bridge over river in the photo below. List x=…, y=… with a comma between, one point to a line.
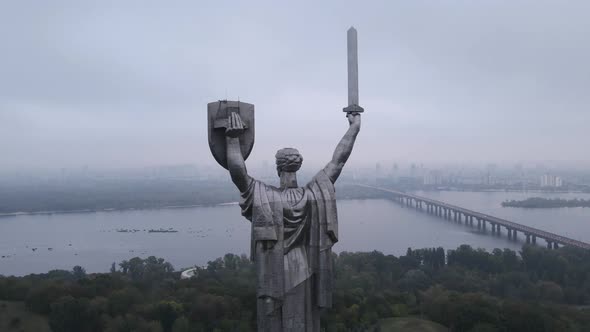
x=462, y=215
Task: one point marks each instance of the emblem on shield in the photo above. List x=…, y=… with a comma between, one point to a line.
x=217, y=116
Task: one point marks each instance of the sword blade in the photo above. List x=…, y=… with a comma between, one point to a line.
x=353, y=67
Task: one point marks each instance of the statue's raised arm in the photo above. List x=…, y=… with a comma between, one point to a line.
x=235, y=160
x=344, y=148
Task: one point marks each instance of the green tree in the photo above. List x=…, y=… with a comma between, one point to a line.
x=181, y=324
x=69, y=314
x=167, y=312
x=78, y=272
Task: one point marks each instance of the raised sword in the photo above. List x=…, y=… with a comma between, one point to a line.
x=353, y=73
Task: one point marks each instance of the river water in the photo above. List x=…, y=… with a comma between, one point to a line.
x=38, y=243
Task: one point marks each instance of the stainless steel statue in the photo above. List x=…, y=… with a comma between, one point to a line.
x=293, y=227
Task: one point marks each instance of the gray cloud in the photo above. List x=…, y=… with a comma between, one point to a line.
x=126, y=84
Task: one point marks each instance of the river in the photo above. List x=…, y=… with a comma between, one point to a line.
x=39, y=243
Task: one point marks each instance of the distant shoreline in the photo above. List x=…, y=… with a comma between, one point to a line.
x=440, y=189
x=505, y=190
x=167, y=207
x=545, y=203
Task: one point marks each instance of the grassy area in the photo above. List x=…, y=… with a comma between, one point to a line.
x=410, y=324
x=14, y=317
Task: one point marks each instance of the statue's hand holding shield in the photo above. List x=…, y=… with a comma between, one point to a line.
x=230, y=119
x=235, y=127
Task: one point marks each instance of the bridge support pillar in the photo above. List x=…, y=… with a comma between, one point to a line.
x=549, y=244
x=555, y=245
x=534, y=239
x=471, y=220
x=478, y=223
x=509, y=233
x=528, y=238
x=514, y=235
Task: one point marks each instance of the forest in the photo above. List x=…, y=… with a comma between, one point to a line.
x=463, y=289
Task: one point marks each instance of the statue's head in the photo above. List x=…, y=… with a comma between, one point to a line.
x=288, y=160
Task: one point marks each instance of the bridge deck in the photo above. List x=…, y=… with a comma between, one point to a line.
x=495, y=220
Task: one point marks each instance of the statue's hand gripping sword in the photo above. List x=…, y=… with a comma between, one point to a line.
x=353, y=74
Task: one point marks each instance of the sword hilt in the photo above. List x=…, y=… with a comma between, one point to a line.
x=352, y=109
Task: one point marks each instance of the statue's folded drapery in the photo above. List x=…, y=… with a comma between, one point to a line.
x=293, y=230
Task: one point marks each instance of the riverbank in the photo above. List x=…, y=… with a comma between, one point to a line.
x=33, y=213
x=546, y=203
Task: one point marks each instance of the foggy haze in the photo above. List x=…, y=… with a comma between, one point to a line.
x=115, y=84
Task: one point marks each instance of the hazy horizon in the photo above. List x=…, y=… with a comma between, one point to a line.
x=122, y=85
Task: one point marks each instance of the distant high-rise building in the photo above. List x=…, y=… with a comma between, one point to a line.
x=548, y=180
x=488, y=179
x=433, y=178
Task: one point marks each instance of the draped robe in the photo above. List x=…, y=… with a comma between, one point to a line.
x=293, y=231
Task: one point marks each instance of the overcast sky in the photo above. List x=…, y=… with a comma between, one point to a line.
x=126, y=83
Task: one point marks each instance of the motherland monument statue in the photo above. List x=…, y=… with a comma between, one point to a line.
x=293, y=227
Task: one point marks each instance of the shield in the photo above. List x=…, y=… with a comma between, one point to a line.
x=217, y=116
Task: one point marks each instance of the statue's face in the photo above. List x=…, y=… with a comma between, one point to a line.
x=288, y=160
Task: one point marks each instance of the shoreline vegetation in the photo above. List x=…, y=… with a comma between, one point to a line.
x=546, y=203
x=48, y=201
x=463, y=289
x=188, y=206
